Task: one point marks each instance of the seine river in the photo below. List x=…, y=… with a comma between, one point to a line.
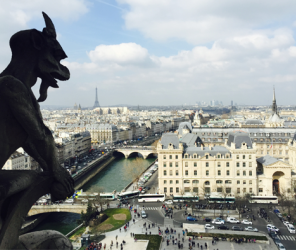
x=115, y=176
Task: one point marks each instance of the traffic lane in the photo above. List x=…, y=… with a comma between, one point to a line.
x=152, y=183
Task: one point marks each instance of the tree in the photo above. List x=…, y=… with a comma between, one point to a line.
x=88, y=215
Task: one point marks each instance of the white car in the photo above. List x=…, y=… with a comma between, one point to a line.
x=168, y=202
x=280, y=246
x=69, y=201
x=271, y=227
x=247, y=222
x=208, y=226
x=219, y=222
x=251, y=229
x=42, y=201
x=291, y=229
x=286, y=223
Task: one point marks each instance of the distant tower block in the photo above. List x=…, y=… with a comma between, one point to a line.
x=97, y=104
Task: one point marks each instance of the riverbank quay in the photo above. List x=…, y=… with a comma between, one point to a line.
x=138, y=228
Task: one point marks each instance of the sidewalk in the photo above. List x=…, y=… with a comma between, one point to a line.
x=138, y=228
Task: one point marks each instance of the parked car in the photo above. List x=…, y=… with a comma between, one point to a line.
x=276, y=211
x=222, y=227
x=291, y=229
x=247, y=222
x=208, y=219
x=143, y=214
x=271, y=227
x=190, y=218
x=69, y=201
x=208, y=226
x=279, y=215
x=251, y=229
x=280, y=246
x=168, y=202
x=219, y=222
x=232, y=220
x=276, y=239
x=286, y=223
x=237, y=228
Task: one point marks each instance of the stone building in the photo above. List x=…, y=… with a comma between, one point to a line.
x=18, y=161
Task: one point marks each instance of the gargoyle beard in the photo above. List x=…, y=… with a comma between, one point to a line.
x=47, y=81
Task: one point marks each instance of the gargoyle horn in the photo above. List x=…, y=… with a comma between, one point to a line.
x=50, y=29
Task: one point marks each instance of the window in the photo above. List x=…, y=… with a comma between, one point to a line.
x=164, y=182
x=244, y=182
x=238, y=190
x=171, y=190
x=250, y=190
x=228, y=190
x=250, y=173
x=227, y=172
x=244, y=173
x=177, y=181
x=171, y=164
x=164, y=164
x=207, y=183
x=186, y=156
x=260, y=190
x=244, y=164
x=219, y=182
x=250, y=164
x=177, y=164
x=227, y=164
x=177, y=190
x=195, y=189
x=164, y=157
x=176, y=157
x=219, y=164
x=237, y=157
x=238, y=182
x=195, y=172
x=171, y=157
x=244, y=157
x=195, y=181
x=207, y=190
x=164, y=172
x=218, y=156
x=186, y=172
x=207, y=172
x=187, y=181
x=194, y=156
x=207, y=164
x=186, y=164
x=219, y=172
x=227, y=156
x=228, y=182
x=237, y=164
x=237, y=173
x=250, y=182
x=177, y=172
x=171, y=182
x=250, y=157
x=171, y=172
x=195, y=164
x=244, y=190
x=207, y=156
x=219, y=190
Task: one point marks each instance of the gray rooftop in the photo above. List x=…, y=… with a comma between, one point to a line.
x=238, y=138
x=169, y=138
x=267, y=160
x=212, y=152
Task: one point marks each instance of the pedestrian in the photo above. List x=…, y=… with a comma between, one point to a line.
x=120, y=230
x=131, y=234
x=116, y=237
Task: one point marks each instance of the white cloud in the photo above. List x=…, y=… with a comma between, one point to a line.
x=199, y=22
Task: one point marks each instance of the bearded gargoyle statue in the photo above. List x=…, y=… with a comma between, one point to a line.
x=35, y=55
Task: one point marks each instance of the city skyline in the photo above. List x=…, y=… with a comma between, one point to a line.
x=165, y=53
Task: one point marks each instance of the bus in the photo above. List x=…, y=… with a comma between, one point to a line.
x=108, y=196
x=264, y=199
x=185, y=198
x=220, y=199
x=151, y=198
x=128, y=195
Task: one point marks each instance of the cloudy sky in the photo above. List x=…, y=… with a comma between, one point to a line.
x=165, y=52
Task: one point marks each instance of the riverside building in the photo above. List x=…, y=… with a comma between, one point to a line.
x=186, y=165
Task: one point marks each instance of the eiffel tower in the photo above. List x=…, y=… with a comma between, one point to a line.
x=97, y=104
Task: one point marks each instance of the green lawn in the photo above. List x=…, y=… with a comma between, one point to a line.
x=111, y=221
x=154, y=240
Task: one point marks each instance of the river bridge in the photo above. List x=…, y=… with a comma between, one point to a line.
x=40, y=209
x=145, y=151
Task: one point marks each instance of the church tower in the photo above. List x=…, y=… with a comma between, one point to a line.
x=274, y=106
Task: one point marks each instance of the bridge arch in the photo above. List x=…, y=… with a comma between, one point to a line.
x=135, y=154
x=152, y=155
x=118, y=154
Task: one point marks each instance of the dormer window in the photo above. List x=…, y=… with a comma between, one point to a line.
x=207, y=156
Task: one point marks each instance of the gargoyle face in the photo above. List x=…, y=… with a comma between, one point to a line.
x=50, y=53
